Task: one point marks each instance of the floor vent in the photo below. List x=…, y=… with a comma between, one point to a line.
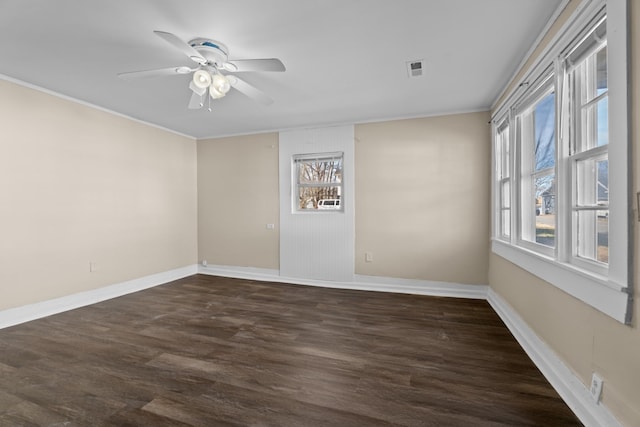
x=414, y=68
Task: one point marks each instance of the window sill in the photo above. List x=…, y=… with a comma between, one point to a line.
x=597, y=291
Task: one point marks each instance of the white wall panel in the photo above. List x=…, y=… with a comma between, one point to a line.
x=317, y=245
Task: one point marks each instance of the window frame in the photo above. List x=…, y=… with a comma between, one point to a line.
x=578, y=152
x=607, y=290
x=504, y=163
x=526, y=173
x=296, y=185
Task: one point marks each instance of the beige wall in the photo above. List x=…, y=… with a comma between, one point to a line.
x=586, y=339
x=237, y=196
x=422, y=198
x=78, y=185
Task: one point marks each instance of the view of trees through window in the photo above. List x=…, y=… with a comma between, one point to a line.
x=319, y=182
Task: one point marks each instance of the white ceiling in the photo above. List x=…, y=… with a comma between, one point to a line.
x=345, y=59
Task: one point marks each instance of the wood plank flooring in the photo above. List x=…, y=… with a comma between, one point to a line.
x=211, y=351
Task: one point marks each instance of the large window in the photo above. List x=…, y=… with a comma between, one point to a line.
x=318, y=182
x=560, y=173
x=537, y=139
x=588, y=88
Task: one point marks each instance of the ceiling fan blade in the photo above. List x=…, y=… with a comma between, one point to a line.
x=196, y=101
x=197, y=90
x=267, y=64
x=250, y=91
x=183, y=47
x=154, y=73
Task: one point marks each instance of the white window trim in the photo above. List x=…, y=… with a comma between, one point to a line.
x=610, y=294
x=294, y=183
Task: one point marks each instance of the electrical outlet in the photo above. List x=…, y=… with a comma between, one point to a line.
x=93, y=267
x=204, y=262
x=368, y=257
x=596, y=387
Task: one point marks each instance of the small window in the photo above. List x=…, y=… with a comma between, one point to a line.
x=318, y=182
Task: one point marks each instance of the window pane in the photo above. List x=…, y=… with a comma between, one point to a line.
x=545, y=132
x=602, y=122
x=593, y=73
x=311, y=198
x=505, y=155
x=505, y=197
x=595, y=125
x=602, y=169
x=545, y=203
x=603, y=236
x=601, y=71
x=505, y=222
x=593, y=235
x=592, y=182
x=319, y=170
x=502, y=147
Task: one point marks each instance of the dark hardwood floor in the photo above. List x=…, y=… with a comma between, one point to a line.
x=211, y=351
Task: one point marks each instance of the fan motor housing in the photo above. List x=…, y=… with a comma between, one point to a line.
x=213, y=51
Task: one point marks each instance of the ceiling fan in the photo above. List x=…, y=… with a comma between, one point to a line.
x=212, y=74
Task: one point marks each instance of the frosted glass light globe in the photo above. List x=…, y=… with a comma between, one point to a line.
x=202, y=79
x=221, y=83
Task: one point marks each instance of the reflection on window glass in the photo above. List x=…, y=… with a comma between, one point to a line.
x=592, y=76
x=545, y=133
x=601, y=71
x=602, y=169
x=593, y=235
x=505, y=196
x=592, y=182
x=595, y=124
x=545, y=205
x=503, y=154
x=506, y=223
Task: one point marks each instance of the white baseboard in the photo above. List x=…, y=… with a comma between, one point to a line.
x=26, y=313
x=360, y=282
x=422, y=287
x=248, y=273
x=564, y=381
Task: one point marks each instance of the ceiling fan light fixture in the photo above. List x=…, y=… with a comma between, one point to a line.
x=221, y=83
x=212, y=57
x=202, y=79
x=215, y=94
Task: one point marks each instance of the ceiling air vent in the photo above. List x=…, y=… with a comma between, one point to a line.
x=414, y=68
